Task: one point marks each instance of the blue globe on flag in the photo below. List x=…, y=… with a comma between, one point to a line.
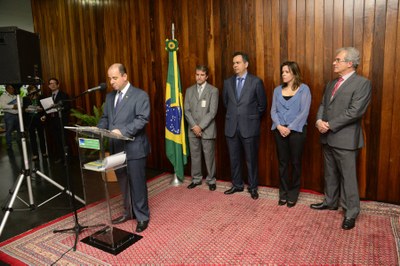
x=173, y=118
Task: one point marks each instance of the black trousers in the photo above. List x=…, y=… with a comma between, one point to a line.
x=54, y=137
x=290, y=150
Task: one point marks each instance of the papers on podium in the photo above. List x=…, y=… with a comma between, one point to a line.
x=111, y=161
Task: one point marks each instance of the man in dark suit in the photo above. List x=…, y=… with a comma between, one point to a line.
x=339, y=118
x=201, y=105
x=126, y=112
x=245, y=101
x=54, y=123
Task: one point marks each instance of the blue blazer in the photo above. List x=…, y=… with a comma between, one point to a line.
x=246, y=112
x=131, y=119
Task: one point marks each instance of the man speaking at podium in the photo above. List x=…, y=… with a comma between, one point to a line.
x=126, y=112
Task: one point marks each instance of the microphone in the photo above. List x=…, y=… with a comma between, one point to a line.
x=101, y=87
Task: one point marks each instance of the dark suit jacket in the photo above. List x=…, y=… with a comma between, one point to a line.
x=247, y=112
x=131, y=119
x=61, y=97
x=344, y=112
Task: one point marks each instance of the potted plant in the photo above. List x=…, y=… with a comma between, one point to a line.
x=88, y=120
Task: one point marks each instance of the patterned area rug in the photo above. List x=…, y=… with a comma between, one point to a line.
x=202, y=227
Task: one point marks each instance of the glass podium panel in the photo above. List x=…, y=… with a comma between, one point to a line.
x=102, y=193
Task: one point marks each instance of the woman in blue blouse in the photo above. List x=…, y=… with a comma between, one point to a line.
x=290, y=106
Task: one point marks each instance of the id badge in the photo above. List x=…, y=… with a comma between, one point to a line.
x=203, y=103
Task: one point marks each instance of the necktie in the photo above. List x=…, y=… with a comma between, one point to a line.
x=54, y=97
x=118, y=100
x=239, y=87
x=199, y=90
x=340, y=80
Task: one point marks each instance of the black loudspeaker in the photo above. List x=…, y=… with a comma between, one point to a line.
x=19, y=56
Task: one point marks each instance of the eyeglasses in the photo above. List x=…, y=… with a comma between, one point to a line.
x=338, y=60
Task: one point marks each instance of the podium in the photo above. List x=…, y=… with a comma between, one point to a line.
x=93, y=165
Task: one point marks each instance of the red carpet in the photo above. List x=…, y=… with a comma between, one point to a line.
x=202, y=227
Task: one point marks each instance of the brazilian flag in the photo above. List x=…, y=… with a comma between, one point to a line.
x=175, y=135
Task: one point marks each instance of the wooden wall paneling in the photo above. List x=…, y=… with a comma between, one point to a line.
x=329, y=48
x=366, y=18
x=219, y=51
x=357, y=34
x=300, y=36
x=184, y=53
x=135, y=46
x=214, y=55
x=211, y=38
x=79, y=56
x=79, y=40
x=256, y=67
x=307, y=70
x=225, y=62
x=337, y=30
x=348, y=23
x=154, y=125
x=261, y=65
x=273, y=80
x=142, y=45
x=282, y=8
x=387, y=96
x=314, y=174
x=250, y=45
x=378, y=60
x=394, y=182
x=291, y=31
x=358, y=31
x=158, y=94
x=265, y=161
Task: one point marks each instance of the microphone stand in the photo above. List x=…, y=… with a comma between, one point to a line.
x=77, y=228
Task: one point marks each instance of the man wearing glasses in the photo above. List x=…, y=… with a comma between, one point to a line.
x=339, y=116
x=54, y=122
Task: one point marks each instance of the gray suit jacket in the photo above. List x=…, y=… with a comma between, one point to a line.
x=131, y=119
x=247, y=112
x=344, y=112
x=201, y=111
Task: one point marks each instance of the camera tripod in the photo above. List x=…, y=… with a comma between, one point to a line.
x=26, y=174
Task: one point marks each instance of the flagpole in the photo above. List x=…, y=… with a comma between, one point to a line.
x=175, y=180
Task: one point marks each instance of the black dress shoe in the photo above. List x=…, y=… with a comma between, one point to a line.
x=348, y=223
x=281, y=202
x=212, y=187
x=322, y=206
x=233, y=190
x=121, y=219
x=193, y=185
x=254, y=193
x=291, y=204
x=141, y=226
